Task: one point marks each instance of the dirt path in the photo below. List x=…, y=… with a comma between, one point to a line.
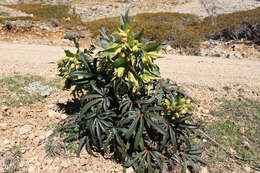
x=205, y=71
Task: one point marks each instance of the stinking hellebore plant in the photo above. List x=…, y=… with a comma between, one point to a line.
x=127, y=110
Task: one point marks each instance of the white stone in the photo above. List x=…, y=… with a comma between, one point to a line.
x=6, y=141
x=31, y=136
x=169, y=48
x=204, y=170
x=204, y=140
x=51, y=113
x=5, y=108
x=64, y=163
x=42, y=137
x=25, y=129
x=31, y=169
x=63, y=116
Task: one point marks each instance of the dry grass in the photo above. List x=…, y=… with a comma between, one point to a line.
x=47, y=12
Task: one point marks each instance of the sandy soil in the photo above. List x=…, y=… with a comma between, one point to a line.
x=205, y=71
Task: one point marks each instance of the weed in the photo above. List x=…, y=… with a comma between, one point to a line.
x=236, y=129
x=12, y=158
x=54, y=146
x=226, y=88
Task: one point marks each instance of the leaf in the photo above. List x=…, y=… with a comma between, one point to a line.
x=122, y=21
x=81, y=144
x=194, y=166
x=139, y=133
x=118, y=138
x=104, y=41
x=155, y=126
x=91, y=96
x=120, y=71
x=119, y=62
x=95, y=88
x=173, y=138
x=89, y=105
x=132, y=128
x=197, y=158
x=184, y=165
x=88, y=146
x=69, y=54
x=127, y=19
x=147, y=101
x=103, y=33
x=85, y=60
x=187, y=126
x=82, y=74
x=131, y=162
x=99, y=134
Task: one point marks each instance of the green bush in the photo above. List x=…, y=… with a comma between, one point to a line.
x=127, y=110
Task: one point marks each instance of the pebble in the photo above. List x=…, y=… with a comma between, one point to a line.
x=45, y=93
x=51, y=113
x=51, y=105
x=31, y=169
x=63, y=116
x=3, y=126
x=42, y=137
x=31, y=136
x=204, y=170
x=5, y=108
x=6, y=141
x=25, y=129
x=64, y=163
x=204, y=140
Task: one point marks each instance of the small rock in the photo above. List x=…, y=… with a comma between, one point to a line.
x=6, y=141
x=55, y=22
x=65, y=41
x=42, y=137
x=204, y=170
x=31, y=136
x=63, y=116
x=48, y=133
x=8, y=25
x=90, y=171
x=81, y=28
x=51, y=105
x=169, y=48
x=130, y=170
x=45, y=93
x=31, y=169
x=204, y=140
x=25, y=129
x=51, y=113
x=5, y=108
x=3, y=126
x=247, y=169
x=65, y=163
x=36, y=140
